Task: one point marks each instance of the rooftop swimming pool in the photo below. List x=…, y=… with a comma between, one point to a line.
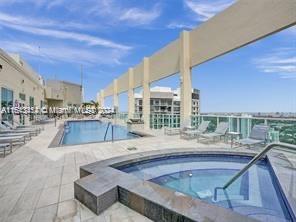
x=256, y=194
x=91, y=131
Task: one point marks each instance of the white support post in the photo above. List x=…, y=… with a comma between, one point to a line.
x=115, y=95
x=131, y=98
x=101, y=99
x=146, y=94
x=185, y=78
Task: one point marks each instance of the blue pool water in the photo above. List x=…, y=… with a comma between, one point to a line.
x=255, y=194
x=79, y=132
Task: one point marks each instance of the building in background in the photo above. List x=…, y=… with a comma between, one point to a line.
x=62, y=94
x=164, y=100
x=20, y=85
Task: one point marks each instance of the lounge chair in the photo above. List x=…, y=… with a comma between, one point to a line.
x=27, y=135
x=13, y=140
x=220, y=131
x=8, y=124
x=5, y=129
x=135, y=121
x=193, y=133
x=171, y=131
x=175, y=131
x=4, y=146
x=43, y=119
x=258, y=135
x=18, y=125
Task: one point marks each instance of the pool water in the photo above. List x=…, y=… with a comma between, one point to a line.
x=255, y=194
x=79, y=132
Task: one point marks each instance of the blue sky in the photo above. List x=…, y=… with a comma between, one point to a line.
x=109, y=36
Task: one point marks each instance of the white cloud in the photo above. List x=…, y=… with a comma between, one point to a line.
x=281, y=61
x=205, y=9
x=110, y=11
x=114, y=12
x=36, y=27
x=179, y=25
x=140, y=16
x=55, y=3
x=61, y=53
x=39, y=22
x=90, y=40
x=36, y=3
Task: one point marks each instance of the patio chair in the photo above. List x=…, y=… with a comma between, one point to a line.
x=8, y=124
x=177, y=130
x=20, y=126
x=13, y=140
x=5, y=129
x=220, y=131
x=27, y=135
x=135, y=121
x=3, y=146
x=43, y=119
x=192, y=133
x=258, y=135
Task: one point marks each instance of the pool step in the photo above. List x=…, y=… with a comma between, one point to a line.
x=259, y=213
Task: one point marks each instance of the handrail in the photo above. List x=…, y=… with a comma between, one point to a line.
x=109, y=123
x=256, y=158
x=112, y=133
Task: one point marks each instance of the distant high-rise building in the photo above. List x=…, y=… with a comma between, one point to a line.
x=164, y=100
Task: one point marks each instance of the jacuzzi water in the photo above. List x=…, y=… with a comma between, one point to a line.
x=79, y=132
x=255, y=194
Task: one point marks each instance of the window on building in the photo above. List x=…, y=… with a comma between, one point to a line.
x=31, y=104
x=7, y=101
x=22, y=96
x=195, y=96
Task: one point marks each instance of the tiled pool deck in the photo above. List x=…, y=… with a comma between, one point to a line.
x=36, y=183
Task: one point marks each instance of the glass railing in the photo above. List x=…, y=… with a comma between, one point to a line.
x=281, y=130
x=122, y=116
x=158, y=121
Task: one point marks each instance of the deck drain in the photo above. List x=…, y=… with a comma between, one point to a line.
x=132, y=148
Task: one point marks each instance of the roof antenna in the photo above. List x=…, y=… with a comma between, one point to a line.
x=81, y=82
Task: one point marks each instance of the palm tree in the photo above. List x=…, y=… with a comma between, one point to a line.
x=96, y=104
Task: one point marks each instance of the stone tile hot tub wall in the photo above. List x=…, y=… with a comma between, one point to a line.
x=101, y=184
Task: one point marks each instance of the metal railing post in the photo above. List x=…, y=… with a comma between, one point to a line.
x=112, y=132
x=256, y=158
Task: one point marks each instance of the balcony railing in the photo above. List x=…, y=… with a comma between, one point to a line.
x=122, y=116
x=281, y=130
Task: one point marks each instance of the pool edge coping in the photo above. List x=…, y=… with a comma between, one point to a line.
x=57, y=140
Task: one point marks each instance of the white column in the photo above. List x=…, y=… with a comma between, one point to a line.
x=131, y=98
x=101, y=99
x=115, y=95
x=146, y=93
x=185, y=78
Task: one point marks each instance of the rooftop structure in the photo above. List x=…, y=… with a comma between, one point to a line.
x=63, y=93
x=242, y=23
